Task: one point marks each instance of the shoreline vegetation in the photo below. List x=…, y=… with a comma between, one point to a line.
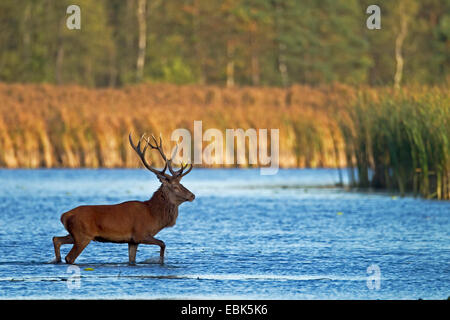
x=396, y=140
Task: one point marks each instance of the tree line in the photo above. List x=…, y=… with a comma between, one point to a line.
x=225, y=42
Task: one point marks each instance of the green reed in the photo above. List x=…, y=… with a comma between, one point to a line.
x=400, y=141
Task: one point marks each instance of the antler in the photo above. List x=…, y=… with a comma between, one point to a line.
x=157, y=147
x=141, y=154
x=179, y=173
x=175, y=174
x=168, y=163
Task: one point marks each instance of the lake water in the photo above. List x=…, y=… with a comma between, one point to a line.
x=288, y=236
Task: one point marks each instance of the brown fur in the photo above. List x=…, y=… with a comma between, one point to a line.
x=132, y=222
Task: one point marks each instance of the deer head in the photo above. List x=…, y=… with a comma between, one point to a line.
x=171, y=185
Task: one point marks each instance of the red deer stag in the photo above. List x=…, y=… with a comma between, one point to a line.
x=132, y=222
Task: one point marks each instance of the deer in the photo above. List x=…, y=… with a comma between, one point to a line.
x=132, y=222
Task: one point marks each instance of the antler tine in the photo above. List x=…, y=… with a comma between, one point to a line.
x=167, y=162
x=178, y=173
x=189, y=170
x=139, y=141
x=141, y=154
x=173, y=172
x=157, y=147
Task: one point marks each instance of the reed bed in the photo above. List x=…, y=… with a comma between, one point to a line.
x=70, y=126
x=400, y=140
x=395, y=140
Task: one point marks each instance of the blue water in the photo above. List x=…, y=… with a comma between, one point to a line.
x=288, y=236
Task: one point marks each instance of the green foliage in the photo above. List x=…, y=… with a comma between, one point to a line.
x=177, y=72
x=246, y=42
x=400, y=141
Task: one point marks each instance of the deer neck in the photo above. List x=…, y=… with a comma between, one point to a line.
x=167, y=210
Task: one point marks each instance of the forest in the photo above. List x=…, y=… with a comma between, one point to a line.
x=225, y=42
x=374, y=101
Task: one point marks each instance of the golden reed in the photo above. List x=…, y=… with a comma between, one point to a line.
x=46, y=126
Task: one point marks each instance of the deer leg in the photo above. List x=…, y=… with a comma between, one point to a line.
x=161, y=244
x=76, y=250
x=57, y=242
x=132, y=249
